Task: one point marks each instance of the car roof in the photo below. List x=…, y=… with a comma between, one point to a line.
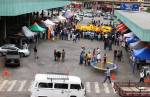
x=57, y=78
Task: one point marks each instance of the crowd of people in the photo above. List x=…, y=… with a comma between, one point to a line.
x=86, y=57
x=59, y=55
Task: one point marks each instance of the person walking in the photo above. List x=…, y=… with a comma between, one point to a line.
x=104, y=59
x=94, y=52
x=58, y=56
x=55, y=55
x=35, y=52
x=89, y=57
x=107, y=76
x=63, y=55
x=115, y=54
x=98, y=57
x=81, y=57
x=141, y=77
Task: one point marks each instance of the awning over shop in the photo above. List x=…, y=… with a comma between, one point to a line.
x=48, y=23
x=36, y=28
x=128, y=35
x=18, y=7
x=132, y=40
x=134, y=21
x=137, y=45
x=28, y=33
x=142, y=54
x=61, y=18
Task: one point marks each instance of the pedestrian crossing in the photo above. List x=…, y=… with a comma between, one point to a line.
x=25, y=86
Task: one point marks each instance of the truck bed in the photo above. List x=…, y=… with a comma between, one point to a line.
x=132, y=89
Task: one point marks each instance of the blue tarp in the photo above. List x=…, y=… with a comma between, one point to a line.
x=142, y=54
x=133, y=39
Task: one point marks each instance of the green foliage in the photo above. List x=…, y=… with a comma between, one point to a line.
x=148, y=9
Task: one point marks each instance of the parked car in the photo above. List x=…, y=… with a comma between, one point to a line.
x=4, y=49
x=12, y=58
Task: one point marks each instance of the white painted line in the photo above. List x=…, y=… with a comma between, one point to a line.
x=112, y=84
x=106, y=89
x=97, y=89
x=29, y=89
x=23, y=83
x=88, y=88
x=13, y=83
x=3, y=84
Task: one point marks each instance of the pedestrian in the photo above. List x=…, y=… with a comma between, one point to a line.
x=58, y=56
x=107, y=76
x=55, y=55
x=85, y=59
x=89, y=57
x=94, y=51
x=63, y=55
x=141, y=77
x=104, y=59
x=35, y=52
x=115, y=54
x=97, y=51
x=25, y=46
x=81, y=57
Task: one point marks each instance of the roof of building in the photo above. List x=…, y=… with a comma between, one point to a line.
x=142, y=19
x=137, y=22
x=18, y=7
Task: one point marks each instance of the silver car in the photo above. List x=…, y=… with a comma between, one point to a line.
x=6, y=47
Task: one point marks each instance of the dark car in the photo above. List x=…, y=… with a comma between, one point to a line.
x=12, y=59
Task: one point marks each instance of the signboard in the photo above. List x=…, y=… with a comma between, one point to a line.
x=129, y=7
x=135, y=7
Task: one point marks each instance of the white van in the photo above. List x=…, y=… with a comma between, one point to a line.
x=57, y=85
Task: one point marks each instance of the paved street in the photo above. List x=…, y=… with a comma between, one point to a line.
x=17, y=84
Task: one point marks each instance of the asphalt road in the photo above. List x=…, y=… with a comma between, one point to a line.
x=17, y=83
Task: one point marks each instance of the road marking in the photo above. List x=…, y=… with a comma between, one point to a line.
x=29, y=89
x=22, y=85
x=88, y=88
x=106, y=89
x=3, y=84
x=97, y=89
x=12, y=85
x=112, y=84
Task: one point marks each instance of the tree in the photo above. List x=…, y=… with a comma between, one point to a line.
x=148, y=10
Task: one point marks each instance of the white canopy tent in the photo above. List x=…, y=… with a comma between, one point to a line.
x=55, y=20
x=128, y=35
x=28, y=33
x=48, y=23
x=61, y=18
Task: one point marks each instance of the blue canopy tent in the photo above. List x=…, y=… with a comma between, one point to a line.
x=142, y=54
x=132, y=40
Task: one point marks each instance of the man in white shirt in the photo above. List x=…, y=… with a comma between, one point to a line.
x=142, y=77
